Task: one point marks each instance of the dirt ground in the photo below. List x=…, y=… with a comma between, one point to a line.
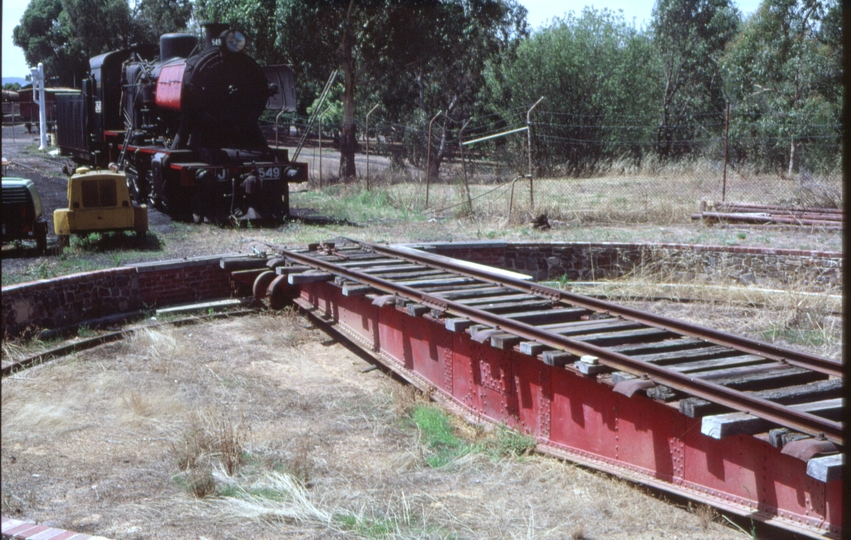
x=100, y=442
x=120, y=440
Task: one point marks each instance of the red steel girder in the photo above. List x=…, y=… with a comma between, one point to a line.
x=770, y=411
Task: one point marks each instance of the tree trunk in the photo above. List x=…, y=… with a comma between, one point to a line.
x=792, y=151
x=348, y=139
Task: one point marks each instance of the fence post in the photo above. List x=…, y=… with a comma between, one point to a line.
x=367, y=144
x=428, y=154
x=529, y=138
x=464, y=164
x=320, y=144
x=726, y=137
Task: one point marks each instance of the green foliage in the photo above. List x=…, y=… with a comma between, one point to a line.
x=592, y=70
x=690, y=36
x=64, y=34
x=783, y=71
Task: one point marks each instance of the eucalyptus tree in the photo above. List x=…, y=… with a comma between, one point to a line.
x=64, y=34
x=595, y=71
x=413, y=56
x=784, y=71
x=690, y=36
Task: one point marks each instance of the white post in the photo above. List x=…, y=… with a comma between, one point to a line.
x=38, y=86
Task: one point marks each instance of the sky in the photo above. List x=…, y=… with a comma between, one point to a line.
x=540, y=11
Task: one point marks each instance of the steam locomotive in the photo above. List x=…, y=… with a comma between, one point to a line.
x=181, y=120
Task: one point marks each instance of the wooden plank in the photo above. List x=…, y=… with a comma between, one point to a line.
x=356, y=289
x=439, y=289
x=701, y=367
x=779, y=376
x=309, y=277
x=741, y=423
x=669, y=345
x=532, y=348
x=398, y=277
x=458, y=325
x=508, y=307
x=472, y=292
x=242, y=263
x=478, y=301
x=613, y=325
x=557, y=358
x=706, y=352
x=735, y=372
x=505, y=341
x=618, y=338
x=417, y=310
x=454, y=281
x=826, y=468
x=788, y=395
x=399, y=267
x=548, y=315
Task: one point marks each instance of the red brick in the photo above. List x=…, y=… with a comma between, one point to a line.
x=29, y=533
x=23, y=527
x=52, y=534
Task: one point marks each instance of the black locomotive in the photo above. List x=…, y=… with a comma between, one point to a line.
x=181, y=120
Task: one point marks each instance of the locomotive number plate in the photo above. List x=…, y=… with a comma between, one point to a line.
x=272, y=173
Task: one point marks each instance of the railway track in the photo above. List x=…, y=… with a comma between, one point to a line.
x=509, y=350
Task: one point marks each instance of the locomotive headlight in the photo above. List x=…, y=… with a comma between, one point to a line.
x=234, y=41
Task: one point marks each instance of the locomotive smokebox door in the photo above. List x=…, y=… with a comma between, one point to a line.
x=281, y=88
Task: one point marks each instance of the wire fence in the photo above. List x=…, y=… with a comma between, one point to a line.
x=574, y=166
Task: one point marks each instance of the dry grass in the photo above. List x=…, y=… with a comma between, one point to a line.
x=145, y=451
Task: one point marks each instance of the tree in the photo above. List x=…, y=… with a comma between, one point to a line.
x=44, y=40
x=594, y=71
x=690, y=36
x=431, y=56
x=784, y=71
x=411, y=55
x=154, y=18
x=64, y=34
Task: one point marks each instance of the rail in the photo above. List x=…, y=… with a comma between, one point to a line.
x=442, y=307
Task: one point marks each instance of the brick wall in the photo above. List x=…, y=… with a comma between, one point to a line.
x=70, y=300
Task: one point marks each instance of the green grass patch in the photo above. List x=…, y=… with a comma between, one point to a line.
x=796, y=336
x=439, y=436
x=444, y=445
x=366, y=527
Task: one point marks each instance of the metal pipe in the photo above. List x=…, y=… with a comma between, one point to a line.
x=428, y=154
x=529, y=140
x=489, y=137
x=367, y=144
x=312, y=118
x=464, y=164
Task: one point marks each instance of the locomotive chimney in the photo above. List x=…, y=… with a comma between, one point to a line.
x=213, y=31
